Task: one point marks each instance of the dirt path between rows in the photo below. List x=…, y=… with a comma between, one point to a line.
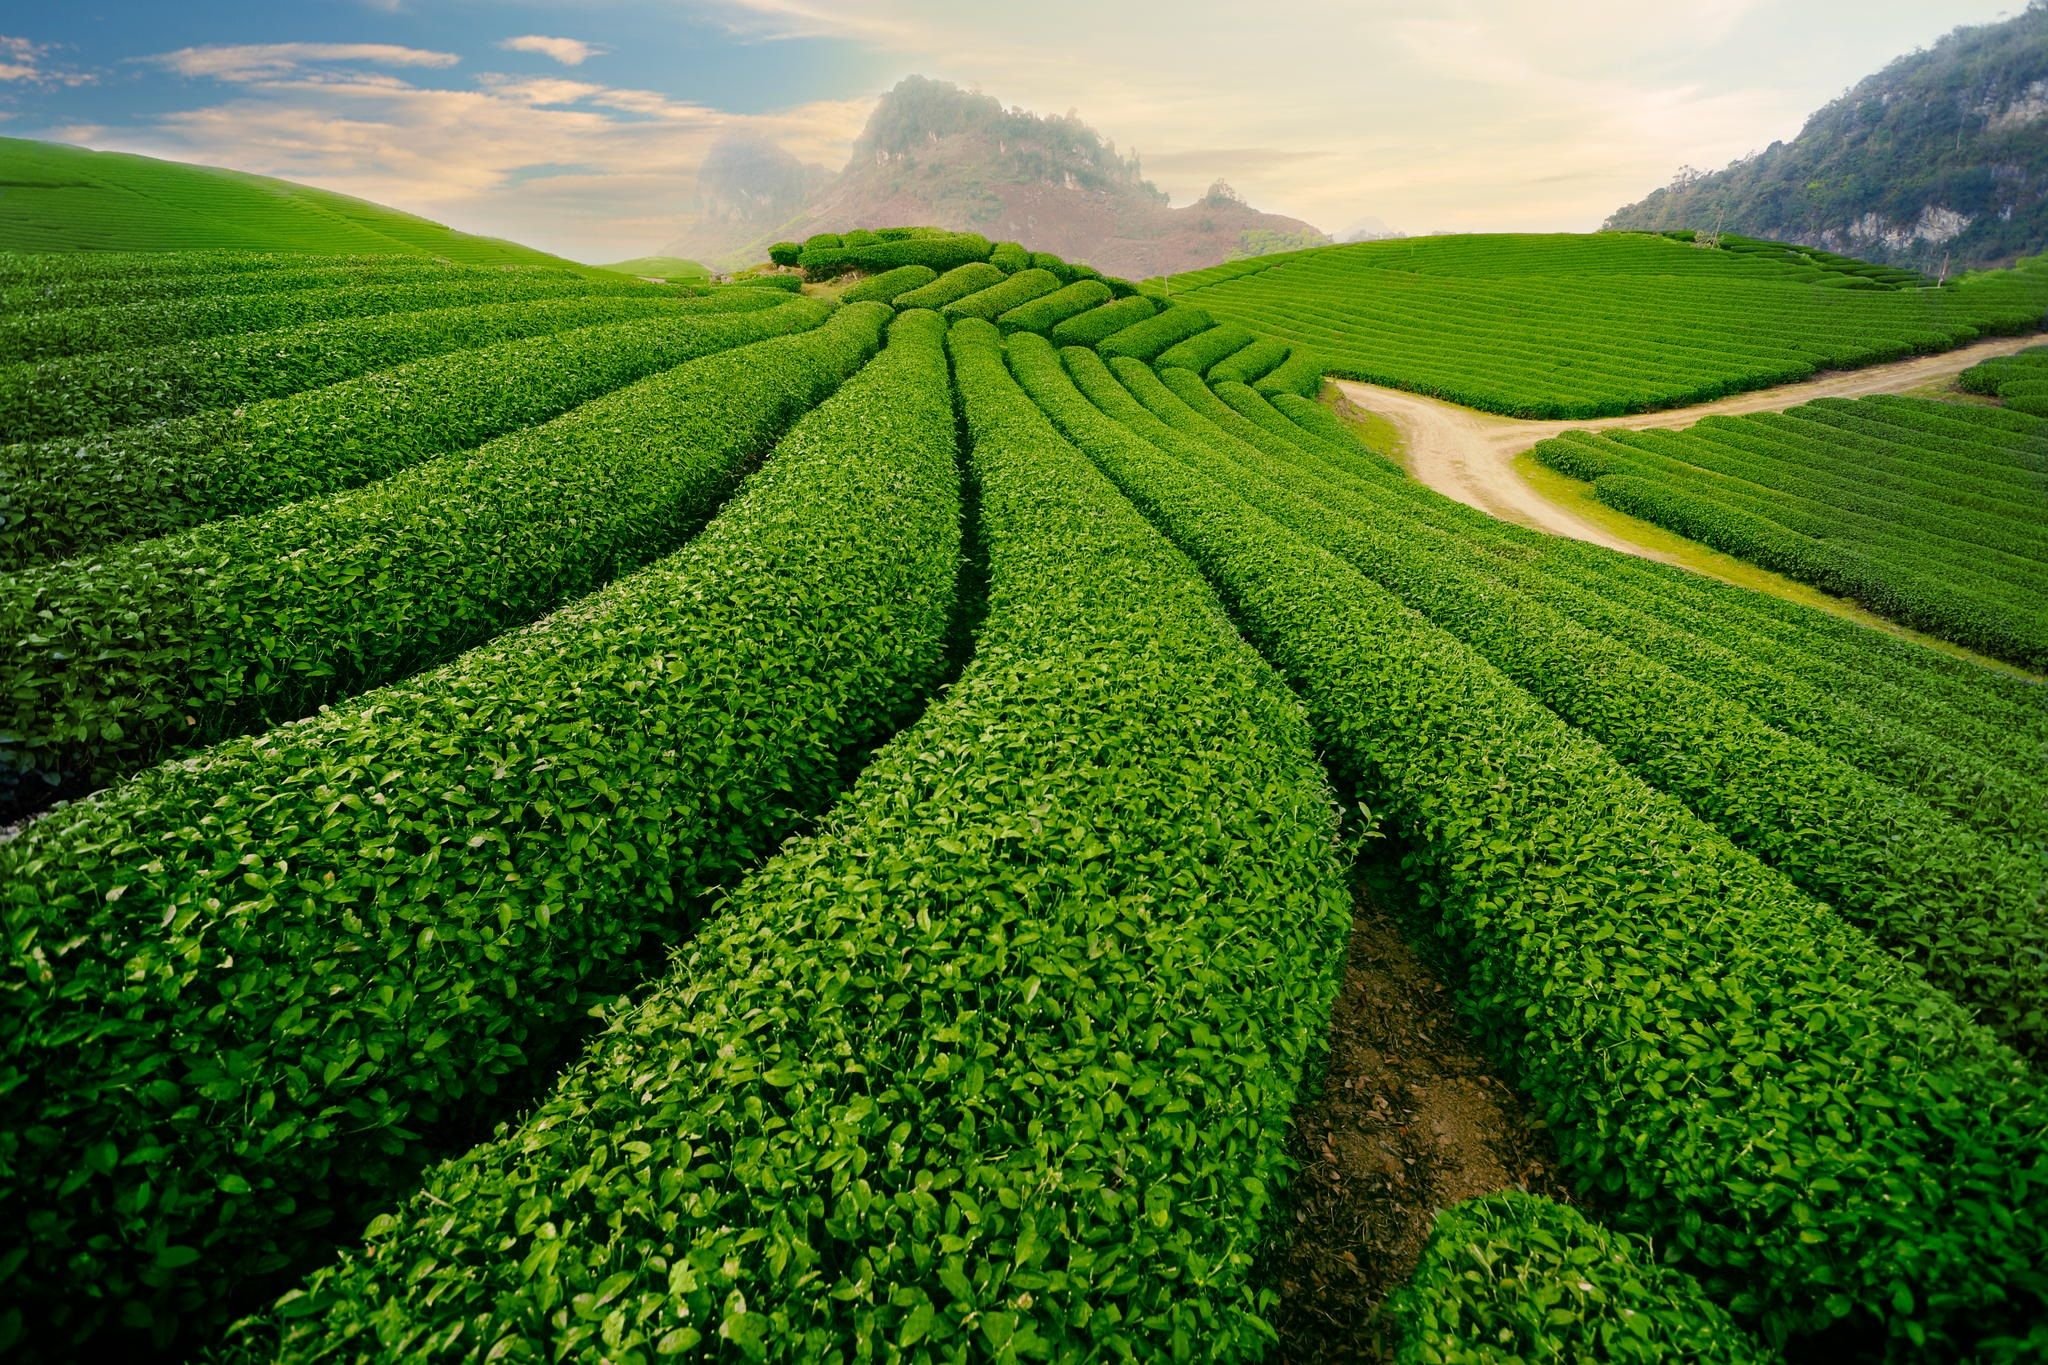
x=1469, y=455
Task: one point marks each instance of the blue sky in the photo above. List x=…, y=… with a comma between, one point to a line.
x=576, y=125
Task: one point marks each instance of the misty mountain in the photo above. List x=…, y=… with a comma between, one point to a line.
x=935, y=154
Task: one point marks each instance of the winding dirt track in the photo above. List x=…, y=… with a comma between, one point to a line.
x=1469, y=455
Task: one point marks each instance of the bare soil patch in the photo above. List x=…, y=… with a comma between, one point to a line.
x=1411, y=1120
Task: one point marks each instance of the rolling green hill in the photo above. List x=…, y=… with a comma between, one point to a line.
x=661, y=268
x=59, y=198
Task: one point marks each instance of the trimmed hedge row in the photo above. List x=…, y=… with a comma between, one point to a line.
x=884, y=288
x=1825, y=1139
x=1099, y=324
x=1251, y=364
x=314, y=272
x=80, y=395
x=1967, y=908
x=1301, y=373
x=1144, y=340
x=1045, y=313
x=1514, y=1277
x=162, y=645
x=987, y=304
x=956, y=283
x=1010, y=257
x=999, y=1065
x=259, y=988
x=1923, y=601
x=1204, y=349
x=942, y=251
x=63, y=498
x=79, y=331
x=788, y=284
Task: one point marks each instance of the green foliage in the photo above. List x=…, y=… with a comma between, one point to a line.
x=1964, y=906
x=788, y=284
x=987, y=304
x=1204, y=349
x=1009, y=257
x=956, y=283
x=1099, y=324
x=161, y=645
x=1056, y=267
x=885, y=287
x=2020, y=380
x=1797, y=1117
x=785, y=253
x=61, y=498
x=86, y=394
x=1925, y=512
x=942, y=251
x=268, y=983
x=1300, y=374
x=1568, y=326
x=1515, y=1277
x=1044, y=314
x=997, y=1065
x=1147, y=339
x=672, y=268
x=1250, y=363
x=52, y=333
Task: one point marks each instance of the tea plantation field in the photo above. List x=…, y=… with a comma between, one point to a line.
x=552, y=817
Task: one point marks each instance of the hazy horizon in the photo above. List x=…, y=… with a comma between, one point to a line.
x=577, y=125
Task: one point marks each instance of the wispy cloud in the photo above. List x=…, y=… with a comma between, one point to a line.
x=268, y=61
x=25, y=63
x=567, y=51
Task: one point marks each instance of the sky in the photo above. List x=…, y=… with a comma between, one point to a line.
x=577, y=125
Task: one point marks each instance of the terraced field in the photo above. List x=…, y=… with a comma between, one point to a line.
x=1575, y=327
x=570, y=819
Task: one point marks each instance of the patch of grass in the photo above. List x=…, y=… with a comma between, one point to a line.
x=1373, y=431
x=1577, y=497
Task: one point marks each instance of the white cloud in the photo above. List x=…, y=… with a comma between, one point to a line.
x=24, y=63
x=269, y=61
x=567, y=51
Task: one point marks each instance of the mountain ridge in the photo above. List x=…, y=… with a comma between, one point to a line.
x=1940, y=157
x=934, y=153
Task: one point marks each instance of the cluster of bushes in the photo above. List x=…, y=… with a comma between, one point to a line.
x=987, y=304
x=1204, y=349
x=1799, y=1118
x=1049, y=311
x=271, y=981
x=1104, y=321
x=61, y=498
x=162, y=645
x=827, y=255
x=953, y=285
x=887, y=286
x=1000, y=1063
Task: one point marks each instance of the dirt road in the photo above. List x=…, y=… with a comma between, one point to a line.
x=1469, y=455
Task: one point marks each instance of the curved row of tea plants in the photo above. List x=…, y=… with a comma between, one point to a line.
x=80, y=396
x=1894, y=507
x=1827, y=1140
x=217, y=278
x=1571, y=326
x=2020, y=381
x=1966, y=906
x=61, y=498
x=250, y=993
x=1885, y=684
x=1000, y=1064
x=81, y=331
x=116, y=659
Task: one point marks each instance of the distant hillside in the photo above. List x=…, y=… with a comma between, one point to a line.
x=660, y=268
x=933, y=153
x=1944, y=152
x=59, y=198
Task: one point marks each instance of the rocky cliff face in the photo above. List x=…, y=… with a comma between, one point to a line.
x=1943, y=155
x=934, y=154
